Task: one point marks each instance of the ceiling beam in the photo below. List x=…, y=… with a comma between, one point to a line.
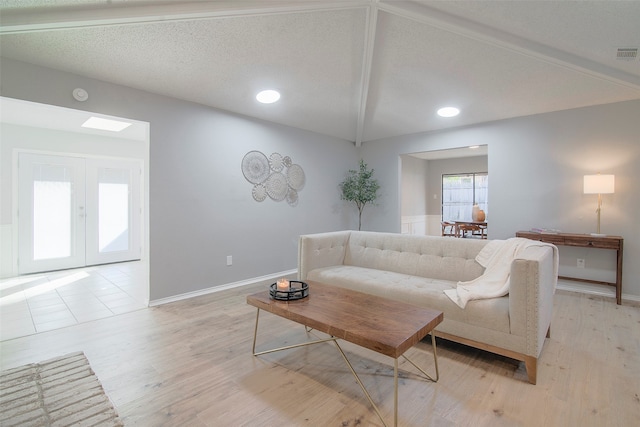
x=367, y=61
x=25, y=20
x=483, y=33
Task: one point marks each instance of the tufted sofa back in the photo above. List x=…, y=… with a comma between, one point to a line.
x=443, y=258
x=435, y=257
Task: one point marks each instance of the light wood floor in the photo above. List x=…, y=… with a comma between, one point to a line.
x=189, y=363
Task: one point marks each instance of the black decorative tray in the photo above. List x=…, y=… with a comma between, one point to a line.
x=297, y=290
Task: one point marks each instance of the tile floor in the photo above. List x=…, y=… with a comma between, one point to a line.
x=44, y=301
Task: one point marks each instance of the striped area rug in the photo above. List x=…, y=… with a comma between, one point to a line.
x=58, y=392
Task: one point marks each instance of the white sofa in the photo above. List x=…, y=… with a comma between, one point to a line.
x=417, y=269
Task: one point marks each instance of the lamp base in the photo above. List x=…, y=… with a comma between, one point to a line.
x=598, y=235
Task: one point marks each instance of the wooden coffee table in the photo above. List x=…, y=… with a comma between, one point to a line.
x=379, y=324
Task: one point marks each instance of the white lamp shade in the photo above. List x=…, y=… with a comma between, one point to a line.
x=599, y=184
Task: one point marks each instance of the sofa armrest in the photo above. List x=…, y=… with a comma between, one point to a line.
x=531, y=290
x=321, y=250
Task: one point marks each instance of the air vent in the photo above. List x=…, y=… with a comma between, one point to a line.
x=627, y=53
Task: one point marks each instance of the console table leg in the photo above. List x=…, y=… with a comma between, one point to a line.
x=619, y=275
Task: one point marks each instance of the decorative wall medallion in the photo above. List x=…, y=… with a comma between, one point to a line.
x=295, y=176
x=255, y=167
x=277, y=186
x=259, y=192
x=292, y=197
x=276, y=162
x=277, y=177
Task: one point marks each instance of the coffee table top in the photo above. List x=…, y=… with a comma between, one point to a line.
x=386, y=326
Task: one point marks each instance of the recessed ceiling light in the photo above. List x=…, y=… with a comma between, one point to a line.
x=448, y=112
x=105, y=124
x=473, y=147
x=268, y=96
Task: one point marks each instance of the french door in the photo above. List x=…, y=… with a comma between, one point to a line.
x=75, y=211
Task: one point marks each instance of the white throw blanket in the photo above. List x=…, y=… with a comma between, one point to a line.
x=496, y=257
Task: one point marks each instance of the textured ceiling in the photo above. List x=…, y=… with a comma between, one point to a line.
x=360, y=70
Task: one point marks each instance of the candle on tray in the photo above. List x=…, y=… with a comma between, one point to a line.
x=283, y=285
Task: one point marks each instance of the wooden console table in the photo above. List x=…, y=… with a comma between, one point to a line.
x=585, y=241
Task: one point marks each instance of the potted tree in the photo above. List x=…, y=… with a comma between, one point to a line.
x=360, y=188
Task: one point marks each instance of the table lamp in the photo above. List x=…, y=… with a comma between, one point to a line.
x=599, y=184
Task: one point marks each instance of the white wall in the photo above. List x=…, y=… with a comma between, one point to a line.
x=536, y=167
x=415, y=185
x=201, y=207
x=414, y=203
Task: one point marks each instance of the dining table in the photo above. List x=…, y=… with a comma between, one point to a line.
x=477, y=228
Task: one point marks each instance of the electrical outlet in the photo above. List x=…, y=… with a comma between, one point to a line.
x=580, y=262
x=229, y=260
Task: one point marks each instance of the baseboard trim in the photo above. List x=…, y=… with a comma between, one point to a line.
x=603, y=291
x=214, y=289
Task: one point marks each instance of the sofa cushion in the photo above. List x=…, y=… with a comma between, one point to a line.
x=421, y=291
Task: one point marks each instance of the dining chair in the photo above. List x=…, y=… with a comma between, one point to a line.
x=448, y=229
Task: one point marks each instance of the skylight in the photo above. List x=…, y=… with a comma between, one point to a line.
x=105, y=124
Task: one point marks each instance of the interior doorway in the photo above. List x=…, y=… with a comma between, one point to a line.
x=35, y=128
x=421, y=184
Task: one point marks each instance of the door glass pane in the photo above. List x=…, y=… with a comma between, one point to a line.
x=113, y=210
x=52, y=221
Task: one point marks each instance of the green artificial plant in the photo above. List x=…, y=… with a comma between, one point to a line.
x=360, y=187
